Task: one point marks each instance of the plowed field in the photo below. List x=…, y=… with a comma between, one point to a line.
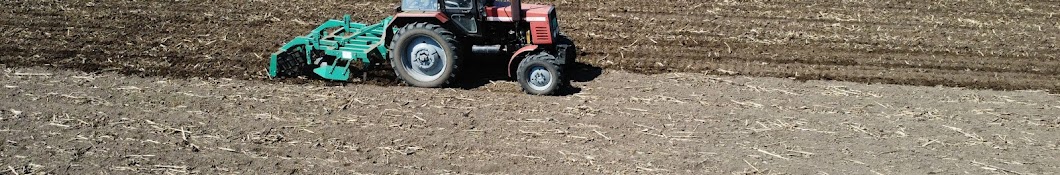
x=979, y=44
x=673, y=87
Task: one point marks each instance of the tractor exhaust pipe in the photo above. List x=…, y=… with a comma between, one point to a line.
x=517, y=11
x=486, y=49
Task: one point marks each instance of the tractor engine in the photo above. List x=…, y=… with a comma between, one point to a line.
x=539, y=21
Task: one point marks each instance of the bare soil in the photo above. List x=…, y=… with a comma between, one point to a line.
x=63, y=122
x=674, y=87
x=1005, y=45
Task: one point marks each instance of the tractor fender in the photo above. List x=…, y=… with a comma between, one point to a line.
x=402, y=19
x=518, y=53
x=437, y=15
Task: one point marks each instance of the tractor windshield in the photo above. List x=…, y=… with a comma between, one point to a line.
x=419, y=5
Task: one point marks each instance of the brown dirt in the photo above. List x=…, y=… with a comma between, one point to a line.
x=69, y=122
x=179, y=87
x=989, y=44
x=979, y=44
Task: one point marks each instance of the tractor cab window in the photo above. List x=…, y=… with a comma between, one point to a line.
x=458, y=4
x=419, y=5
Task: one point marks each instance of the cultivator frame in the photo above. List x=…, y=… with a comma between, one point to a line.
x=335, y=45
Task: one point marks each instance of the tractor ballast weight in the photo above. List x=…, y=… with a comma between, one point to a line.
x=427, y=39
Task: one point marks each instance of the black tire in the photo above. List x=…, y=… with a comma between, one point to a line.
x=541, y=61
x=446, y=41
x=572, y=51
x=292, y=63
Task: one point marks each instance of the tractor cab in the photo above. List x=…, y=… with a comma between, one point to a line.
x=486, y=18
x=464, y=13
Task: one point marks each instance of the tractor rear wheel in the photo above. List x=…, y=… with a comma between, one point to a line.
x=541, y=74
x=292, y=63
x=425, y=55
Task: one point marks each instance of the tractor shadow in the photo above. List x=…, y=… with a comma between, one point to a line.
x=481, y=71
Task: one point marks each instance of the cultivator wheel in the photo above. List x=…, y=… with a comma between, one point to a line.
x=292, y=63
x=425, y=55
x=541, y=74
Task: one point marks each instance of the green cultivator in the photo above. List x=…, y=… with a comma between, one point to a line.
x=426, y=41
x=334, y=46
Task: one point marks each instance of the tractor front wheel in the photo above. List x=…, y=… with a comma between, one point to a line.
x=424, y=55
x=540, y=74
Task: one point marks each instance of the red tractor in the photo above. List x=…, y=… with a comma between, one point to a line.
x=427, y=40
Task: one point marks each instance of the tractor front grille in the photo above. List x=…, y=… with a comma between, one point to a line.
x=542, y=33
